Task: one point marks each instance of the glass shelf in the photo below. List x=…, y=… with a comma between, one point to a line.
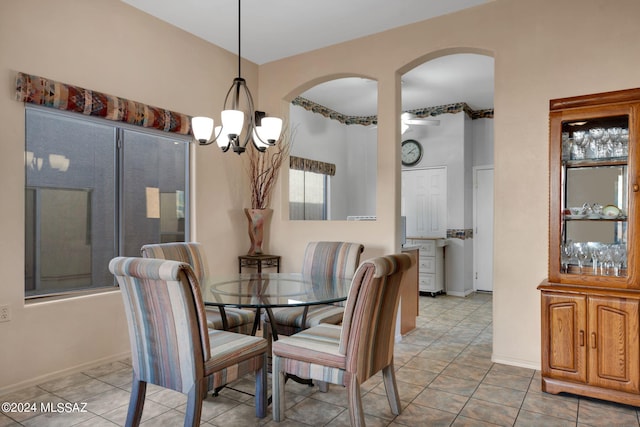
x=597, y=219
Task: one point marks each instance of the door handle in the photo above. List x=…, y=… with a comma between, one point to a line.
x=636, y=187
x=581, y=338
x=593, y=340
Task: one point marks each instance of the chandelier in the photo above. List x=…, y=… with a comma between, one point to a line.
x=238, y=107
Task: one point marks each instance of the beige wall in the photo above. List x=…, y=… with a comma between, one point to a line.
x=108, y=46
x=543, y=49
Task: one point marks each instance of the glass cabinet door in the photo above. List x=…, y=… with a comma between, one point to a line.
x=594, y=198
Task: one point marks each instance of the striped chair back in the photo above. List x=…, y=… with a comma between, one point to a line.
x=237, y=320
x=189, y=252
x=166, y=318
x=368, y=326
x=331, y=259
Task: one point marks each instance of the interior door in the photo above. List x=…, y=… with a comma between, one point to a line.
x=483, y=229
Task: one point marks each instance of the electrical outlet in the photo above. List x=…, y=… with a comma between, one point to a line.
x=5, y=313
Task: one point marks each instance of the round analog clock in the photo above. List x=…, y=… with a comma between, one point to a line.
x=411, y=152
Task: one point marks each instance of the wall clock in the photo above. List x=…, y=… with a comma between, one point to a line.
x=411, y=152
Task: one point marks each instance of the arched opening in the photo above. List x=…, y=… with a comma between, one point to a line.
x=332, y=174
x=447, y=193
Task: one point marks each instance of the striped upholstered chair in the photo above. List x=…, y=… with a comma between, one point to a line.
x=349, y=354
x=192, y=253
x=171, y=345
x=321, y=259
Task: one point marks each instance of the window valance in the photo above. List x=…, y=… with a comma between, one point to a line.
x=50, y=93
x=308, y=165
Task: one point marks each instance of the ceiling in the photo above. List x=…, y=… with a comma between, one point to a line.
x=267, y=26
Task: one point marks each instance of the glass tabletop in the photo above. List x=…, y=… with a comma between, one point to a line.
x=273, y=290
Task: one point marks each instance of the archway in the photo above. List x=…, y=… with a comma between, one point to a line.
x=454, y=87
x=334, y=156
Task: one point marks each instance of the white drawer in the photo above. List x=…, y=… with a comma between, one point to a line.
x=427, y=283
x=426, y=265
x=427, y=247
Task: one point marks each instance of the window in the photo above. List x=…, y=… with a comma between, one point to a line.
x=307, y=195
x=95, y=190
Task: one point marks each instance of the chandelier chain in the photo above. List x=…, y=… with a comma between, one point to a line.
x=239, y=44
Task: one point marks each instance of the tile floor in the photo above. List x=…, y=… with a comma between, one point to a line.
x=444, y=374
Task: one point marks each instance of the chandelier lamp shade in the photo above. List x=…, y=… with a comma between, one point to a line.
x=238, y=111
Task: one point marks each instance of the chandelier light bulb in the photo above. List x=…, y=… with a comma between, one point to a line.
x=259, y=139
x=271, y=128
x=221, y=139
x=232, y=121
x=202, y=128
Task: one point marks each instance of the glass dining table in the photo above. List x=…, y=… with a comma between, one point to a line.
x=266, y=291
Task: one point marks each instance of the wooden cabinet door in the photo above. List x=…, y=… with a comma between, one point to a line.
x=614, y=355
x=564, y=350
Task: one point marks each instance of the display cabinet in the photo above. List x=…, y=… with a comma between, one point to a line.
x=591, y=299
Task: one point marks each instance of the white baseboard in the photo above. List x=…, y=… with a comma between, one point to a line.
x=515, y=362
x=62, y=373
x=460, y=294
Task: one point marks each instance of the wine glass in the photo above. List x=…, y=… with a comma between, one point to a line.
x=617, y=256
x=601, y=255
x=615, y=137
x=608, y=261
x=598, y=147
x=593, y=252
x=567, y=142
x=582, y=254
x=624, y=139
x=579, y=140
x=566, y=254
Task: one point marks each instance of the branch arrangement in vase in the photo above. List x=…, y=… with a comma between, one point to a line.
x=263, y=170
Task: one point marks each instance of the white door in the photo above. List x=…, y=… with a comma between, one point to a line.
x=483, y=229
x=424, y=202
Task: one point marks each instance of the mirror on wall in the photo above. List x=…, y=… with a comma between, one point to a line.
x=333, y=168
x=605, y=185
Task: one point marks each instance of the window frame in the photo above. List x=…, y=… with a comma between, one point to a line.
x=325, y=195
x=120, y=128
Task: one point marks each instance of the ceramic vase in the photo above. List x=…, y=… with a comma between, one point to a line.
x=258, y=221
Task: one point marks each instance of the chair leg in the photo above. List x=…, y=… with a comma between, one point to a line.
x=356, y=412
x=266, y=331
x=277, y=393
x=136, y=402
x=261, y=389
x=193, y=411
x=390, y=385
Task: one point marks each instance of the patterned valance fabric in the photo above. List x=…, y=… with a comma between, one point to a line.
x=373, y=120
x=334, y=115
x=308, y=165
x=460, y=233
x=452, y=109
x=50, y=93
